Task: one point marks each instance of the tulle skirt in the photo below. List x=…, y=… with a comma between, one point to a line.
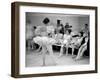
x=65, y=42
x=44, y=40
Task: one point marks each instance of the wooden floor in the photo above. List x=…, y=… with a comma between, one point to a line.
x=34, y=59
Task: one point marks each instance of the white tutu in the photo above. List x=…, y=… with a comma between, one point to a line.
x=44, y=40
x=65, y=41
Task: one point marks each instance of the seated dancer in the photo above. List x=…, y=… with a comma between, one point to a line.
x=83, y=47
x=58, y=37
x=44, y=38
x=66, y=41
x=76, y=42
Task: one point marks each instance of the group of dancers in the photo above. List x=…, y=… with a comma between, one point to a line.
x=46, y=37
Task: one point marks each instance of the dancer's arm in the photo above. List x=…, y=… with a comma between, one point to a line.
x=37, y=31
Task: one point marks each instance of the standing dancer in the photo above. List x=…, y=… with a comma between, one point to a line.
x=45, y=39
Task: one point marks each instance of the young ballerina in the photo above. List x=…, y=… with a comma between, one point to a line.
x=66, y=41
x=44, y=39
x=76, y=42
x=83, y=47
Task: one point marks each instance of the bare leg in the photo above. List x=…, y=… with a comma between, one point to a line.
x=49, y=48
x=81, y=51
x=38, y=48
x=72, y=47
x=67, y=45
x=66, y=49
x=43, y=55
x=61, y=51
x=72, y=51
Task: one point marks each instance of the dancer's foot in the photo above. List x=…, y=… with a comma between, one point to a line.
x=66, y=54
x=39, y=53
x=55, y=63
x=60, y=55
x=73, y=56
